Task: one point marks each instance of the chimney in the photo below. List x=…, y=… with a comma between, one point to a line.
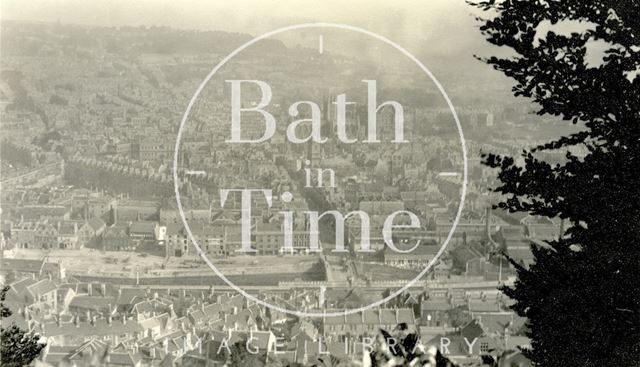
x=487, y=224
x=90, y=289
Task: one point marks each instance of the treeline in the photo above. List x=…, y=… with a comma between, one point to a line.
x=16, y=155
x=22, y=101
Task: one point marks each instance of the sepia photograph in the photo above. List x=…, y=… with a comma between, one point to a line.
x=280, y=183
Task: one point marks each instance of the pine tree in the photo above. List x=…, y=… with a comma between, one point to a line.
x=582, y=292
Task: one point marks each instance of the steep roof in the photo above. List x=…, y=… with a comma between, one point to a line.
x=96, y=223
x=41, y=287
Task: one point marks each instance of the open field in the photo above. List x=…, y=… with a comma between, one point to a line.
x=385, y=272
x=126, y=264
x=208, y=278
x=249, y=264
x=92, y=260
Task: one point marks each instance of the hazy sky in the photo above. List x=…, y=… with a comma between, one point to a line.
x=446, y=25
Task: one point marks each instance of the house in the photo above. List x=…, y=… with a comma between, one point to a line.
x=23, y=234
x=65, y=296
x=157, y=325
x=76, y=332
x=175, y=240
x=435, y=311
x=172, y=215
x=367, y=323
x=68, y=235
x=176, y=343
x=30, y=291
x=46, y=236
x=347, y=298
x=147, y=308
x=143, y=230
x=137, y=210
x=268, y=239
x=205, y=314
x=500, y=323
x=418, y=258
x=463, y=256
x=116, y=238
x=93, y=206
x=32, y=268
x=90, y=230
x=210, y=238
x=304, y=329
x=43, y=212
x=90, y=306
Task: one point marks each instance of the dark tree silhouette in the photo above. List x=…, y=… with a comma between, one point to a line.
x=240, y=356
x=18, y=348
x=581, y=295
x=403, y=348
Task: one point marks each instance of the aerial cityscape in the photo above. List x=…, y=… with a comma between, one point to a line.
x=108, y=266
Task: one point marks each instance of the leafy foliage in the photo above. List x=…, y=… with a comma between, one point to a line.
x=582, y=293
x=18, y=348
x=403, y=349
x=240, y=356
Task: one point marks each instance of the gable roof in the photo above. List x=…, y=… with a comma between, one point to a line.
x=41, y=287
x=143, y=227
x=22, y=265
x=96, y=223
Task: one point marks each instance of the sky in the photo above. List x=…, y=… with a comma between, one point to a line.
x=444, y=25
